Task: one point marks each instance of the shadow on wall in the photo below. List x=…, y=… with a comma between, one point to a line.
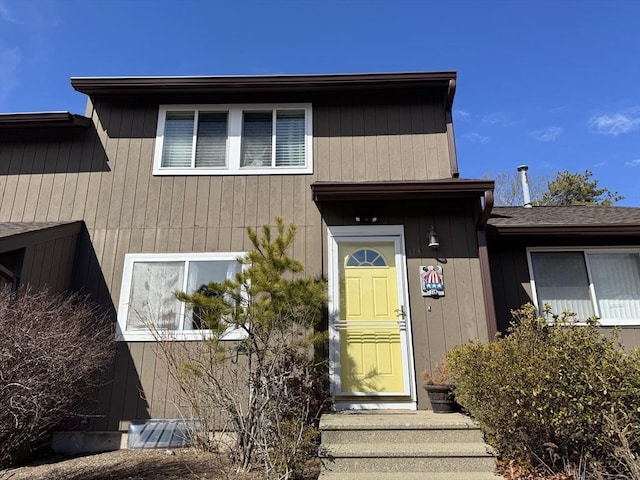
x=54, y=152
x=336, y=115
x=120, y=399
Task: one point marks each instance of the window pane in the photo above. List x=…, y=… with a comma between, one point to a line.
x=200, y=275
x=366, y=258
x=290, y=138
x=151, y=299
x=256, y=139
x=211, y=145
x=616, y=279
x=562, y=282
x=178, y=140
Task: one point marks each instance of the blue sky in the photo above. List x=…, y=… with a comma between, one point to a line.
x=553, y=84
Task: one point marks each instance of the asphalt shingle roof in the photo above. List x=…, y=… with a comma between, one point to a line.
x=16, y=228
x=563, y=216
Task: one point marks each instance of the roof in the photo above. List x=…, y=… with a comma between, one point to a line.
x=16, y=235
x=32, y=126
x=446, y=188
x=42, y=120
x=567, y=220
x=17, y=228
x=259, y=83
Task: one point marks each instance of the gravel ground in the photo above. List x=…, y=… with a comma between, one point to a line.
x=130, y=465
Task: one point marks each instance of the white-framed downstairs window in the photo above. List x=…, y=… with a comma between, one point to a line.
x=603, y=282
x=248, y=139
x=148, y=308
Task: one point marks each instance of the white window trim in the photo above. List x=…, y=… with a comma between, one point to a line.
x=604, y=322
x=122, y=334
x=234, y=140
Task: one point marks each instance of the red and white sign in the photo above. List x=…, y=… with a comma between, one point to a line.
x=431, y=281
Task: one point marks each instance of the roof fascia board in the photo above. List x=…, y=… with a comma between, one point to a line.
x=340, y=191
x=564, y=230
x=451, y=140
x=43, y=119
x=155, y=85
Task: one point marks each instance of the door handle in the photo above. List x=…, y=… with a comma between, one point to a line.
x=402, y=318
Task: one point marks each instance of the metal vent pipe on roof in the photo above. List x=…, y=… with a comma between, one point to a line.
x=524, y=179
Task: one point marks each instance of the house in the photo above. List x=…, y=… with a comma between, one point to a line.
x=153, y=188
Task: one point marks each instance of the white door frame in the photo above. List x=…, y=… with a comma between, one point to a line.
x=362, y=233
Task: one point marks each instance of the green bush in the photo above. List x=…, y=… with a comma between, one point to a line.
x=545, y=390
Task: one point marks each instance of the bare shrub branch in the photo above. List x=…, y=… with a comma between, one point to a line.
x=266, y=388
x=52, y=348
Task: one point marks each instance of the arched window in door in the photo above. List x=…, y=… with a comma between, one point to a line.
x=365, y=257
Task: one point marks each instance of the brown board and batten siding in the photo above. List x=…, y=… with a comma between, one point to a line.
x=385, y=141
x=511, y=279
x=40, y=254
x=437, y=323
x=103, y=176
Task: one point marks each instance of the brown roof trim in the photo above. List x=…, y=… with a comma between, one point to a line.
x=257, y=83
x=19, y=235
x=451, y=141
x=43, y=120
x=449, y=188
x=564, y=230
x=486, y=208
x=487, y=285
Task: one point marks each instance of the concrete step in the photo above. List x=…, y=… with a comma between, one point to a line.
x=409, y=476
x=426, y=465
x=403, y=446
x=421, y=420
x=401, y=450
x=413, y=427
x=331, y=437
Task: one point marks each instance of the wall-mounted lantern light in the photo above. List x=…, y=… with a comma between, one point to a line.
x=433, y=238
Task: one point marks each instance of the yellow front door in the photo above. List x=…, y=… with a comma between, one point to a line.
x=371, y=353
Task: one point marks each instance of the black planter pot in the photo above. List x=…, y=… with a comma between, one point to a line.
x=442, y=398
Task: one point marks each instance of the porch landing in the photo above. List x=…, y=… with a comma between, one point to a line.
x=399, y=444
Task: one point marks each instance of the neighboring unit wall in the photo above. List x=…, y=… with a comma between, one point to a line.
x=44, y=257
x=512, y=283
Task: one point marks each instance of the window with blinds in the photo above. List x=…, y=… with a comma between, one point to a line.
x=233, y=139
x=211, y=141
x=209, y=150
x=290, y=149
x=588, y=282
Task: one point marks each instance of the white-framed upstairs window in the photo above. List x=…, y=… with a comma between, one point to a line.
x=601, y=282
x=248, y=139
x=148, y=309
